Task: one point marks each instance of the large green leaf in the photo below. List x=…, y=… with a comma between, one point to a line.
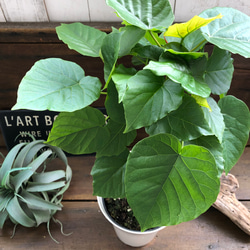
x=108, y=176
x=194, y=41
x=130, y=37
x=187, y=122
x=117, y=141
x=110, y=53
x=219, y=71
x=120, y=78
x=180, y=183
x=84, y=39
x=57, y=85
x=237, y=120
x=181, y=30
x=79, y=132
x=189, y=75
x=114, y=109
x=148, y=15
x=214, y=146
x=149, y=94
x=214, y=118
x=232, y=32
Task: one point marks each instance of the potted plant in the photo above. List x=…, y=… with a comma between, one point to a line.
x=174, y=89
x=30, y=193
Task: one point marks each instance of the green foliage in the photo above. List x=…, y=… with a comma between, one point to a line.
x=172, y=175
x=30, y=193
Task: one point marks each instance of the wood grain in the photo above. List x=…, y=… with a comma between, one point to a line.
x=24, y=10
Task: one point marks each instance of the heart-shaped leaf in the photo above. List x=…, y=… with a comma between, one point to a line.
x=148, y=15
x=84, y=39
x=219, y=71
x=214, y=146
x=180, y=183
x=117, y=141
x=214, y=118
x=187, y=122
x=120, y=78
x=237, y=120
x=130, y=37
x=189, y=75
x=232, y=32
x=110, y=52
x=79, y=132
x=114, y=109
x=148, y=93
x=108, y=176
x=181, y=30
x=61, y=83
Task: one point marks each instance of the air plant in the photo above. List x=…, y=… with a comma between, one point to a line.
x=30, y=194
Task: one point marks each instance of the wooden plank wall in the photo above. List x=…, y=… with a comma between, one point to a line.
x=21, y=45
x=97, y=10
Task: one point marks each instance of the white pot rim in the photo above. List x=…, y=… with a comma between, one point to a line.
x=114, y=223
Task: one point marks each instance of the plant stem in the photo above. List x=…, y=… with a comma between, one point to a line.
x=222, y=95
x=197, y=46
x=152, y=35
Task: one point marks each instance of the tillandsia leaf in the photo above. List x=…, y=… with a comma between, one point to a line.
x=25, y=174
x=62, y=83
x=79, y=132
x=117, y=141
x=41, y=216
x=189, y=75
x=84, y=39
x=181, y=30
x=8, y=161
x=231, y=33
x=219, y=71
x=41, y=187
x=237, y=120
x=3, y=218
x=108, y=175
x=31, y=204
x=37, y=202
x=146, y=93
x=187, y=122
x=47, y=177
x=17, y=214
x=148, y=15
x=27, y=154
x=180, y=183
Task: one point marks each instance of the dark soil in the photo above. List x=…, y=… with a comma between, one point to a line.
x=121, y=212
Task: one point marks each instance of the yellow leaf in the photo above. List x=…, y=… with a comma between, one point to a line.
x=202, y=101
x=181, y=30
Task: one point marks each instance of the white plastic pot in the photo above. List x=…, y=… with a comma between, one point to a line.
x=128, y=237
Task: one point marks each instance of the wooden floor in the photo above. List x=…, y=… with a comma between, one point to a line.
x=82, y=217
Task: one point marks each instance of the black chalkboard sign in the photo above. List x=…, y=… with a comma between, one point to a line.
x=17, y=124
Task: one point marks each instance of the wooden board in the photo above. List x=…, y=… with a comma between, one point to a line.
x=24, y=10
